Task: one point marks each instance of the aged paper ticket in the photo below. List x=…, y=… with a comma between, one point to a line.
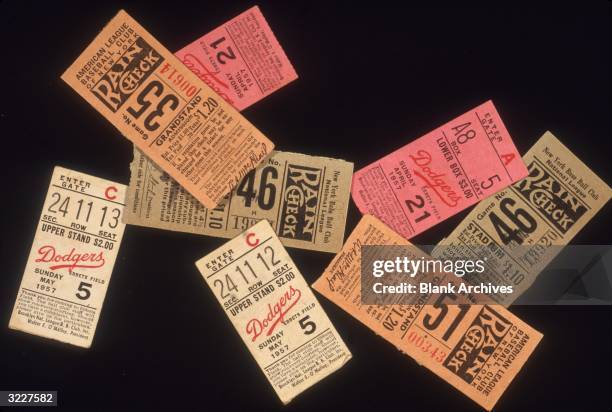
x=305, y=198
x=241, y=60
x=274, y=311
x=71, y=260
x=441, y=173
x=521, y=224
x=478, y=349
x=167, y=111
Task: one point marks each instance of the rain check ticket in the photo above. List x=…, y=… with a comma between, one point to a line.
x=478, y=349
x=521, y=224
x=167, y=111
x=241, y=60
x=305, y=198
x=274, y=311
x=71, y=260
x=441, y=173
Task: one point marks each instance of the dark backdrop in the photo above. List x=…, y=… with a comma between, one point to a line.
x=372, y=78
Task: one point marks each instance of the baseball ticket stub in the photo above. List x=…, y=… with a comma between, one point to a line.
x=478, y=349
x=167, y=111
x=305, y=198
x=71, y=260
x=241, y=60
x=521, y=224
x=274, y=311
x=441, y=173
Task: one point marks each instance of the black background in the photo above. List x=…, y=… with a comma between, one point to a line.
x=372, y=78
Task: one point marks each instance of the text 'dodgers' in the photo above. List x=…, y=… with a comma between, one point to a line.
x=441, y=173
x=72, y=257
x=274, y=311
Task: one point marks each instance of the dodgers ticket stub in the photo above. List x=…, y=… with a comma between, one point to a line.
x=441, y=173
x=168, y=112
x=274, y=311
x=521, y=225
x=305, y=198
x=478, y=349
x=71, y=260
x=241, y=60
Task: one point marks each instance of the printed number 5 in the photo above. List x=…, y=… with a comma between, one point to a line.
x=308, y=325
x=491, y=181
x=83, y=288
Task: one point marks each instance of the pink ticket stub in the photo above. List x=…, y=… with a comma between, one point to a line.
x=241, y=60
x=441, y=173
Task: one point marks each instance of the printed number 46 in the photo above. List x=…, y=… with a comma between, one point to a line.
x=267, y=190
x=520, y=219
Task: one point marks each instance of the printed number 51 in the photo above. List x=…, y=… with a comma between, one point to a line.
x=432, y=323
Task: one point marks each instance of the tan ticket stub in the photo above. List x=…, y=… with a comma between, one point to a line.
x=274, y=311
x=71, y=260
x=167, y=111
x=522, y=224
x=476, y=348
x=305, y=199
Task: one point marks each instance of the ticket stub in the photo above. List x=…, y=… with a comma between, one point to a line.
x=478, y=349
x=274, y=311
x=175, y=118
x=305, y=198
x=241, y=60
x=521, y=224
x=441, y=173
x=72, y=258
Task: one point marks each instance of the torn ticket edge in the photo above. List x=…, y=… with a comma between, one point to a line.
x=305, y=199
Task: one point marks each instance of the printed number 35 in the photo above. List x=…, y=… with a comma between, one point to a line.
x=156, y=88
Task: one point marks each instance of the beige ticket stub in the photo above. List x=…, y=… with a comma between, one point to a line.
x=478, y=349
x=71, y=260
x=521, y=225
x=167, y=111
x=274, y=311
x=305, y=199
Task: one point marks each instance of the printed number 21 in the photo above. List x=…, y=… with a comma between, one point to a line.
x=418, y=203
x=223, y=55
